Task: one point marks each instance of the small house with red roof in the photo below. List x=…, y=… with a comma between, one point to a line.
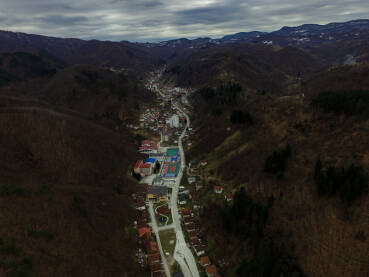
x=218, y=189
x=211, y=270
x=205, y=261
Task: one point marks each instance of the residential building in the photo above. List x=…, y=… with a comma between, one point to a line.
x=199, y=250
x=211, y=270
x=157, y=194
x=191, y=180
x=218, y=189
x=137, y=166
x=173, y=121
x=148, y=146
x=146, y=169
x=205, y=261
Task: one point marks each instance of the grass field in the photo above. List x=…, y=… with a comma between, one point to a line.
x=168, y=241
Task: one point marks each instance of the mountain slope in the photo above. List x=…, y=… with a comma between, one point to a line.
x=64, y=164
x=76, y=51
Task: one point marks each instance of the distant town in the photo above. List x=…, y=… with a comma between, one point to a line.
x=167, y=224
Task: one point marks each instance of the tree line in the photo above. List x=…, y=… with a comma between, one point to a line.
x=349, y=183
x=344, y=102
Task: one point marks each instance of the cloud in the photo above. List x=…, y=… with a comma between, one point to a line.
x=143, y=20
x=63, y=20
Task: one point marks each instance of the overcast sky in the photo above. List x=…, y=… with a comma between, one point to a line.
x=153, y=20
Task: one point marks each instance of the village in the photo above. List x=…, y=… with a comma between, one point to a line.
x=167, y=204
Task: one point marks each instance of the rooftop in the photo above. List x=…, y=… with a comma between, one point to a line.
x=157, y=190
x=211, y=269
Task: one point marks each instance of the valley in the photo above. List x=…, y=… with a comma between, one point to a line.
x=245, y=155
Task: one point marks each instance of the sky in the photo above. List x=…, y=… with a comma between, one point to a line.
x=157, y=20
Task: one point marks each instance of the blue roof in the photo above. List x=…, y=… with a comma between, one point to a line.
x=150, y=160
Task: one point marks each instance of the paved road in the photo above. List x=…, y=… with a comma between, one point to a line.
x=182, y=254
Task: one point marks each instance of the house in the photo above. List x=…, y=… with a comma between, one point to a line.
x=190, y=227
x=146, y=169
x=199, y=250
x=196, y=204
x=140, y=205
x=155, y=268
x=137, y=166
x=191, y=180
x=195, y=241
x=218, y=189
x=187, y=220
x=148, y=146
x=211, y=270
x=193, y=234
x=182, y=199
x=152, y=248
x=143, y=231
x=228, y=197
x=154, y=259
x=185, y=213
x=157, y=194
x=205, y=261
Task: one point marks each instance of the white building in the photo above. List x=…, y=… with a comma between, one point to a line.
x=173, y=121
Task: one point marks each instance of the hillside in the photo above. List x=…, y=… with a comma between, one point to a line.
x=64, y=163
x=323, y=235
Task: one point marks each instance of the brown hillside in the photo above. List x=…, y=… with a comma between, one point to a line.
x=59, y=204
x=327, y=237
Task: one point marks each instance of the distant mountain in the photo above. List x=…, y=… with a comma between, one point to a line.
x=242, y=36
x=77, y=51
x=333, y=43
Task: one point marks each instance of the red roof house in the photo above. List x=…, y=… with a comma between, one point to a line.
x=205, y=261
x=211, y=270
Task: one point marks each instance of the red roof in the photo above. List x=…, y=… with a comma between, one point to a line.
x=192, y=234
x=211, y=269
x=155, y=258
x=148, y=145
x=143, y=231
x=145, y=166
x=155, y=267
x=138, y=163
x=205, y=261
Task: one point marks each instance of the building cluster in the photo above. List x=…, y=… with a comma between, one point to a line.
x=148, y=253
x=192, y=227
